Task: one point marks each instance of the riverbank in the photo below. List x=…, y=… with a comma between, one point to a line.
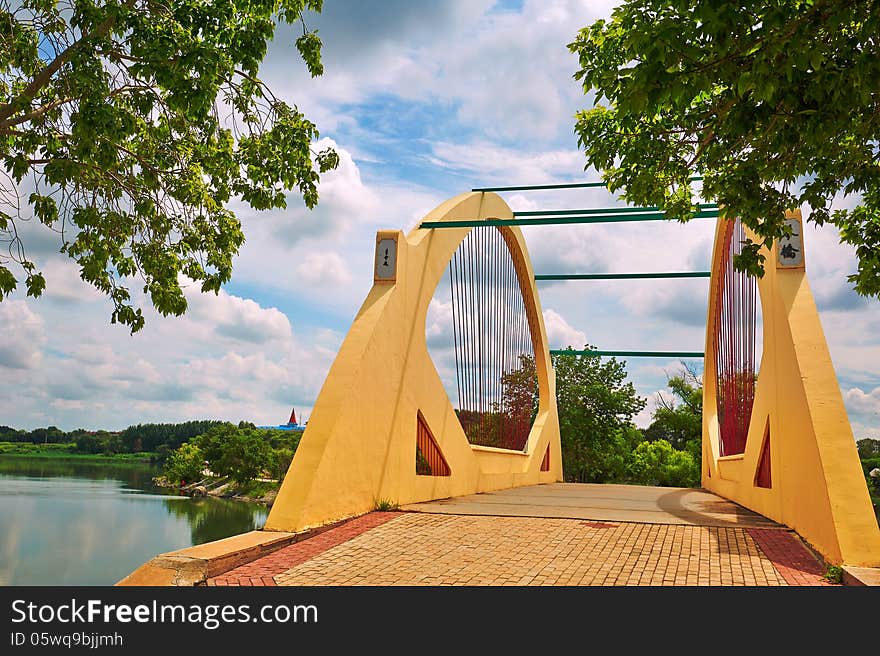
x=260, y=491
x=67, y=452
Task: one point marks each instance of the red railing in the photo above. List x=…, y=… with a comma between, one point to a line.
x=735, y=328
x=762, y=475
x=545, y=463
x=429, y=458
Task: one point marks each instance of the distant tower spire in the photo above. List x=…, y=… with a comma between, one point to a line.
x=292, y=419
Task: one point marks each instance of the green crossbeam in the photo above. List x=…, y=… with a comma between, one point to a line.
x=621, y=276
x=572, y=185
x=605, y=210
x=561, y=220
x=632, y=354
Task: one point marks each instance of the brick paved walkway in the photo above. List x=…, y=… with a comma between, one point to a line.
x=263, y=570
x=433, y=549
x=798, y=566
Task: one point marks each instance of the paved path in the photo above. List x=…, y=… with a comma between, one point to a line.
x=698, y=544
x=622, y=503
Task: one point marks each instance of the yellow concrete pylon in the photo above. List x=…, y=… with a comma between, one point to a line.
x=360, y=444
x=817, y=485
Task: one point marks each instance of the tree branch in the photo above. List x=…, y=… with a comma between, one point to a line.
x=35, y=113
x=42, y=78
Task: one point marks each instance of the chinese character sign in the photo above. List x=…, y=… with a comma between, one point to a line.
x=386, y=257
x=790, y=249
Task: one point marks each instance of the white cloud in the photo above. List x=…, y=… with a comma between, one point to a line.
x=330, y=242
x=863, y=408
x=560, y=333
x=859, y=401
x=490, y=162
x=237, y=318
x=498, y=71
x=344, y=201
x=325, y=269
x=646, y=415
x=439, y=328
x=861, y=431
x=64, y=284
x=22, y=334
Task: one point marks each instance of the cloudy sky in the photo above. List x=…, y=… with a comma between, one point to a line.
x=422, y=100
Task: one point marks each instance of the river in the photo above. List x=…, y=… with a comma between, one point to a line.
x=72, y=522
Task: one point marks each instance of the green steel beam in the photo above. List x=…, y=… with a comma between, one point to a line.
x=572, y=185
x=621, y=276
x=605, y=210
x=561, y=220
x=632, y=354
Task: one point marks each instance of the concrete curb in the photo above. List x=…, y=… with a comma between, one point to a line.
x=195, y=565
x=861, y=576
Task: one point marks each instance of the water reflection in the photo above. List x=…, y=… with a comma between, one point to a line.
x=209, y=518
x=137, y=475
x=86, y=523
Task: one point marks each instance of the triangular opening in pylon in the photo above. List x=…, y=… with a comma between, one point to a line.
x=762, y=473
x=545, y=463
x=429, y=457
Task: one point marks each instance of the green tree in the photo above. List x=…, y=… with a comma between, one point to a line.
x=280, y=462
x=185, y=464
x=511, y=419
x=88, y=443
x=658, y=463
x=678, y=419
x=520, y=390
x=774, y=104
x=868, y=448
x=240, y=453
x=150, y=437
x=596, y=408
x=128, y=127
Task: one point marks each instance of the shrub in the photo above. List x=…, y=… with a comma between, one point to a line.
x=657, y=463
x=185, y=464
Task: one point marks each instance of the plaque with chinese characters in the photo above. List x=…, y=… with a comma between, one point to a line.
x=790, y=250
x=386, y=257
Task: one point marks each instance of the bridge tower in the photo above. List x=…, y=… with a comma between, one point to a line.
x=383, y=427
x=776, y=437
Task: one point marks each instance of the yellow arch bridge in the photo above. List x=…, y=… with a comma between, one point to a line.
x=384, y=430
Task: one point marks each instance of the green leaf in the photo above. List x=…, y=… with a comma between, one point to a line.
x=309, y=46
x=774, y=104
x=35, y=284
x=123, y=144
x=7, y=282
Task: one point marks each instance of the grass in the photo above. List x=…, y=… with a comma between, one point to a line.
x=385, y=505
x=834, y=574
x=66, y=452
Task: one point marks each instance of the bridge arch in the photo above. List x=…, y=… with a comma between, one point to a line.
x=383, y=401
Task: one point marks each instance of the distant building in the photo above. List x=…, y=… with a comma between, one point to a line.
x=291, y=424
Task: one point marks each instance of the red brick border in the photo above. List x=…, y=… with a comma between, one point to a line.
x=261, y=572
x=794, y=562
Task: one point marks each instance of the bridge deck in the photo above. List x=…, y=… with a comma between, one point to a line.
x=557, y=534
x=618, y=503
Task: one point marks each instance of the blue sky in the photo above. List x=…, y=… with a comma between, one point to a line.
x=423, y=100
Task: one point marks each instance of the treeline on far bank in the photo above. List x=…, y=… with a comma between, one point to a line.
x=156, y=440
